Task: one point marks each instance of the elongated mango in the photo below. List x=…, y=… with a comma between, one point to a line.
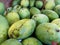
x=22, y=29
x=3, y=29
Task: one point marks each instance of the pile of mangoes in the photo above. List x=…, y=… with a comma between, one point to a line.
x=30, y=22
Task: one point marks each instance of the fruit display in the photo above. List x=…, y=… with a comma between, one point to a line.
x=30, y=22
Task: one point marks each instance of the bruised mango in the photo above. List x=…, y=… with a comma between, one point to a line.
x=22, y=29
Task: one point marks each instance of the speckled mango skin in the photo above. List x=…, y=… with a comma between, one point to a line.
x=22, y=29
x=48, y=33
x=11, y=42
x=3, y=29
x=51, y=14
x=31, y=41
x=40, y=18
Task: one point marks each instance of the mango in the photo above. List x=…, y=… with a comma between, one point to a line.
x=48, y=33
x=40, y=18
x=51, y=14
x=12, y=17
x=3, y=28
x=31, y=41
x=22, y=29
x=11, y=42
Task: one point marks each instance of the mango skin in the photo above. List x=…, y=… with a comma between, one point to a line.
x=34, y=10
x=24, y=3
x=31, y=41
x=24, y=13
x=2, y=8
x=48, y=33
x=40, y=18
x=56, y=21
x=50, y=5
x=11, y=42
x=51, y=14
x=12, y=17
x=39, y=4
x=22, y=29
x=57, y=9
x=3, y=29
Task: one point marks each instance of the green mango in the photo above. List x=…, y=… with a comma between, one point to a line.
x=32, y=2
x=34, y=10
x=15, y=2
x=40, y=18
x=57, y=2
x=48, y=33
x=3, y=29
x=56, y=21
x=57, y=9
x=12, y=17
x=22, y=29
x=31, y=41
x=11, y=42
x=51, y=14
x=50, y=5
x=24, y=3
x=24, y=13
x=2, y=8
x=39, y=4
